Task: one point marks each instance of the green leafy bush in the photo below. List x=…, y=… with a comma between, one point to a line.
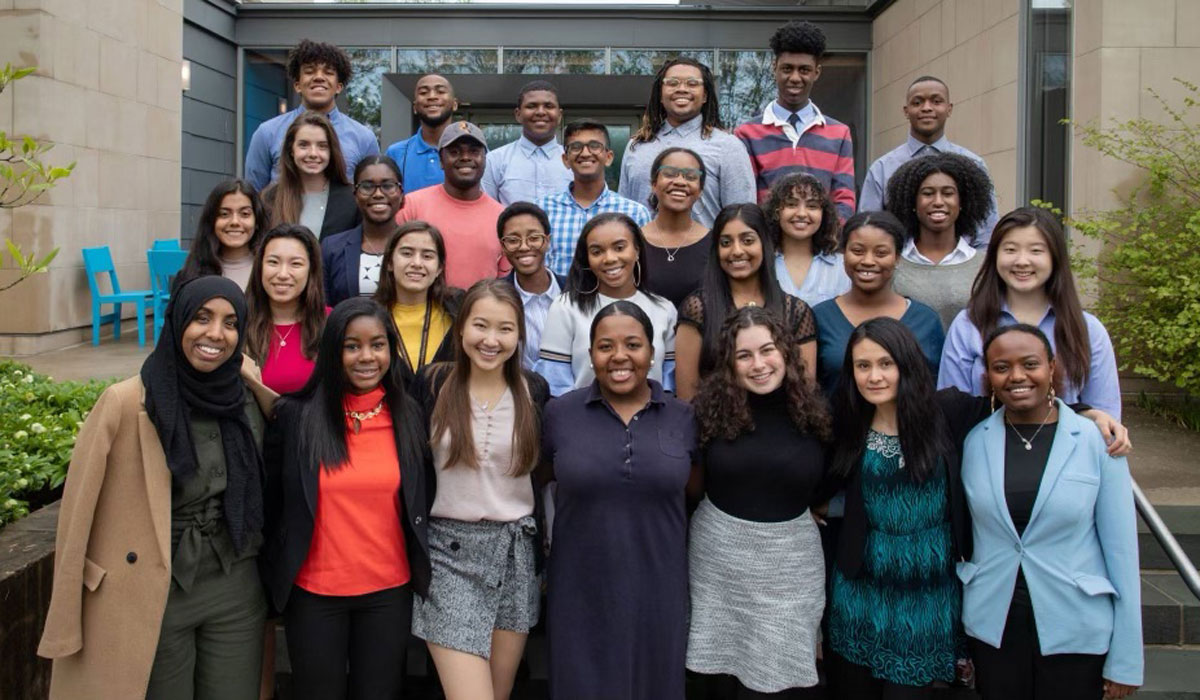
x=39, y=419
x=1149, y=266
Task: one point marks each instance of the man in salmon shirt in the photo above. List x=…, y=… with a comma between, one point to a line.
x=460, y=209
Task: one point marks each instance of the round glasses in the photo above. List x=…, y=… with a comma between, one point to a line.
x=671, y=172
x=576, y=147
x=368, y=188
x=533, y=240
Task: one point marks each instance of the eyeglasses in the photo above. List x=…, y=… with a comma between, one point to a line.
x=533, y=240
x=368, y=188
x=576, y=147
x=676, y=82
x=671, y=172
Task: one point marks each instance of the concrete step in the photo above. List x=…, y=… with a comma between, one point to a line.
x=1184, y=523
x=1172, y=673
x=1170, y=612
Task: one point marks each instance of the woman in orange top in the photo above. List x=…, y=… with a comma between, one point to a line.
x=346, y=547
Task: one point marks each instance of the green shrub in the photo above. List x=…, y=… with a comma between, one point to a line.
x=1149, y=266
x=39, y=419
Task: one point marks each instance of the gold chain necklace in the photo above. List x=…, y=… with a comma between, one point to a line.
x=1029, y=443
x=359, y=417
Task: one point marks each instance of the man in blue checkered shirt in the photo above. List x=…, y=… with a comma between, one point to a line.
x=586, y=151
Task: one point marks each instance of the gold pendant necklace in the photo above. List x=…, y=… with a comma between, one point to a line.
x=359, y=417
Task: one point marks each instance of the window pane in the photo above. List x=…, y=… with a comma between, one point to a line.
x=361, y=96
x=554, y=61
x=745, y=85
x=266, y=90
x=647, y=62
x=446, y=61
x=1048, y=91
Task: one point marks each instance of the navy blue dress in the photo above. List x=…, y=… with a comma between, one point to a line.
x=617, y=576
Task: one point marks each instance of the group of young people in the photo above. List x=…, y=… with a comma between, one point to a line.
x=724, y=427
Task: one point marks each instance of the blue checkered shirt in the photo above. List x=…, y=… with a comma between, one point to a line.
x=567, y=219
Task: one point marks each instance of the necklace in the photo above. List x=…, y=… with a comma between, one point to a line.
x=1029, y=443
x=360, y=416
x=671, y=253
x=283, y=338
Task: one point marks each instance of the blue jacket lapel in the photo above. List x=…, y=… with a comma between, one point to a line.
x=1060, y=452
x=994, y=456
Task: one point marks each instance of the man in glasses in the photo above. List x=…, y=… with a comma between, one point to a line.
x=683, y=111
x=524, y=235
x=587, y=153
x=530, y=167
x=792, y=135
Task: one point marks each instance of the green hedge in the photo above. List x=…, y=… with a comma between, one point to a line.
x=39, y=419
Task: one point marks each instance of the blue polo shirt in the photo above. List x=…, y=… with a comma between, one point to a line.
x=418, y=161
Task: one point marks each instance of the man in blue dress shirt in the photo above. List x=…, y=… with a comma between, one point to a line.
x=927, y=107
x=433, y=103
x=318, y=73
x=532, y=166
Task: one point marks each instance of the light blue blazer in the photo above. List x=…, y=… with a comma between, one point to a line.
x=1079, y=551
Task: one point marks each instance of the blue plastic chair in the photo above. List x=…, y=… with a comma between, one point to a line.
x=164, y=264
x=167, y=244
x=98, y=261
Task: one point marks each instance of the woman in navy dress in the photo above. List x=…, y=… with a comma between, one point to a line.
x=621, y=451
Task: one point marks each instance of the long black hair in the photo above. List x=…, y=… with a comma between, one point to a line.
x=924, y=436
x=714, y=292
x=583, y=286
x=323, y=420
x=204, y=257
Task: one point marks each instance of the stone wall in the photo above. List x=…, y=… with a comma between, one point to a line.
x=972, y=45
x=26, y=580
x=107, y=91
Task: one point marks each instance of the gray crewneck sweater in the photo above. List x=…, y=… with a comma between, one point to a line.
x=945, y=288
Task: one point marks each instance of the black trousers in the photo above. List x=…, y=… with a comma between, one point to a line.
x=366, y=635
x=849, y=681
x=1019, y=670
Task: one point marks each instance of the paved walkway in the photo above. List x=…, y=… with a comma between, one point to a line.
x=1165, y=460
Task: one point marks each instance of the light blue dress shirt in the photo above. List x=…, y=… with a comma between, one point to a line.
x=962, y=361
x=536, y=307
x=419, y=163
x=874, y=188
x=262, y=158
x=522, y=171
x=729, y=174
x=567, y=219
x=826, y=278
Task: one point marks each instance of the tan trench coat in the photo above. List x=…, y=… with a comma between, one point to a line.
x=112, y=562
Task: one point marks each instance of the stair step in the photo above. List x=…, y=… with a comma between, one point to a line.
x=1170, y=612
x=1184, y=523
x=1172, y=673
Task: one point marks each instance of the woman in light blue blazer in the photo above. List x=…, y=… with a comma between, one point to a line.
x=1051, y=595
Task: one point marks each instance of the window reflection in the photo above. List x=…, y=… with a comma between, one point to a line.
x=1048, y=89
x=472, y=61
x=554, y=61
x=648, y=61
x=744, y=84
x=361, y=95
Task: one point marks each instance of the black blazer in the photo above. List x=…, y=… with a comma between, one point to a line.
x=290, y=498
x=339, y=260
x=341, y=211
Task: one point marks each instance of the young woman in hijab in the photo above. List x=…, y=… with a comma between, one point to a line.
x=156, y=589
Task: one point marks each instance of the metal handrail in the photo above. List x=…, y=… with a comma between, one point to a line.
x=1184, y=565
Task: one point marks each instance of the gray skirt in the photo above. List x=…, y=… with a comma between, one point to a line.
x=483, y=580
x=757, y=593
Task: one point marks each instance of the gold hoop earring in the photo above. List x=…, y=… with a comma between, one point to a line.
x=594, y=289
x=1051, y=397
x=993, y=402
x=637, y=275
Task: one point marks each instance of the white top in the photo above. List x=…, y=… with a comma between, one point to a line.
x=536, y=307
x=489, y=492
x=238, y=270
x=369, y=266
x=962, y=252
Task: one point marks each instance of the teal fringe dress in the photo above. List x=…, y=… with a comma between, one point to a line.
x=900, y=617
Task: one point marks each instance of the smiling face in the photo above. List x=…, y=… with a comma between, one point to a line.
x=937, y=203
x=677, y=182
x=795, y=75
x=682, y=93
x=415, y=263
x=621, y=355
x=1021, y=374
x=870, y=258
x=434, y=101
x=801, y=215
x=927, y=108
x=739, y=250
x=1024, y=261
x=612, y=254
x=366, y=354
x=587, y=154
x=211, y=336
x=318, y=86
x=285, y=270
x=370, y=193
x=310, y=150
x=235, y=224
x=758, y=363
x=524, y=243
x=538, y=115
x=491, y=333
x=875, y=373
x=463, y=163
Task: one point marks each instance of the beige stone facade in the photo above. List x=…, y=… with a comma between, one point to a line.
x=107, y=92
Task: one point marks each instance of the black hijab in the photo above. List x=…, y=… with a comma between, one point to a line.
x=174, y=389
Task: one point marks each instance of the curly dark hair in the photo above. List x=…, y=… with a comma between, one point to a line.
x=974, y=191
x=656, y=115
x=309, y=51
x=803, y=186
x=799, y=37
x=721, y=408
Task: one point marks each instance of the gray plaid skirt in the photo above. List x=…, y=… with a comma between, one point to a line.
x=483, y=580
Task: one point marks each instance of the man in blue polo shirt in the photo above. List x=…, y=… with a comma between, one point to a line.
x=318, y=73
x=417, y=155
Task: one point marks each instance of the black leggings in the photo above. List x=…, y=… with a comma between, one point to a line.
x=1019, y=670
x=366, y=634
x=849, y=681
